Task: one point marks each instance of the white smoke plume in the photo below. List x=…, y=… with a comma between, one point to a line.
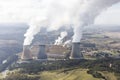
x=59, y=41
x=78, y=13
x=89, y=10
x=67, y=43
x=53, y=14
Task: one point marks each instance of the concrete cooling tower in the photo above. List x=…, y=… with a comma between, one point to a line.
x=26, y=55
x=75, y=53
x=42, y=52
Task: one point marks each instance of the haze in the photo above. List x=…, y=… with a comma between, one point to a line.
x=10, y=12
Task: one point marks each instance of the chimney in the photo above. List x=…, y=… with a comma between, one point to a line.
x=42, y=52
x=75, y=53
x=26, y=55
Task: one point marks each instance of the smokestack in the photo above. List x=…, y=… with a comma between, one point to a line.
x=75, y=53
x=26, y=53
x=42, y=52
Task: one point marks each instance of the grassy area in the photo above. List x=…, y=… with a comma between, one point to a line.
x=1, y=76
x=68, y=74
x=76, y=74
x=67, y=70
x=109, y=75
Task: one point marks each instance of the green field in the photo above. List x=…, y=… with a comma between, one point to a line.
x=76, y=74
x=109, y=76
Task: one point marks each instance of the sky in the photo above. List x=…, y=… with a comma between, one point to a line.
x=12, y=11
x=110, y=16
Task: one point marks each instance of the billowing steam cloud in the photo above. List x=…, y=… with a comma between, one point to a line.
x=78, y=13
x=59, y=41
x=55, y=13
x=89, y=10
x=67, y=43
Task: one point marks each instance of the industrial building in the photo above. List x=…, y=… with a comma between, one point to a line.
x=43, y=51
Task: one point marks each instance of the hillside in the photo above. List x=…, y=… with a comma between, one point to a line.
x=65, y=70
x=76, y=74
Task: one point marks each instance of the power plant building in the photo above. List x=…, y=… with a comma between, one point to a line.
x=51, y=51
x=26, y=55
x=75, y=53
x=42, y=52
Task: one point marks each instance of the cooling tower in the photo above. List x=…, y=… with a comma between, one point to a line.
x=75, y=53
x=42, y=52
x=26, y=55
